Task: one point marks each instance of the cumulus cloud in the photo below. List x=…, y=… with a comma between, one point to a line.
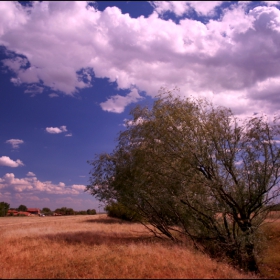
x=117, y=103
x=31, y=184
x=68, y=135
x=6, y=161
x=225, y=59
x=56, y=130
x=15, y=143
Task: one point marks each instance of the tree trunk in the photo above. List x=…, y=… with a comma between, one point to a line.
x=250, y=263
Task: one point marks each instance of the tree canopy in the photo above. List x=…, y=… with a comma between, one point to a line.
x=22, y=208
x=190, y=168
x=46, y=210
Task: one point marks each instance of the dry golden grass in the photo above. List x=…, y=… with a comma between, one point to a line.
x=97, y=247
x=273, y=216
x=270, y=257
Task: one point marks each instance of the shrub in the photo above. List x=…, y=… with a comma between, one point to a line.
x=118, y=210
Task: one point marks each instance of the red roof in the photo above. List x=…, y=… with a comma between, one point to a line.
x=16, y=213
x=12, y=211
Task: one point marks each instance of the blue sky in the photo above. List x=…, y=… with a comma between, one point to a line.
x=71, y=71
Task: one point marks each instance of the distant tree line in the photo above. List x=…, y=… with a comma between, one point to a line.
x=4, y=207
x=70, y=211
x=275, y=207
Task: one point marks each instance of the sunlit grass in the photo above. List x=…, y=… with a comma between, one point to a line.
x=97, y=247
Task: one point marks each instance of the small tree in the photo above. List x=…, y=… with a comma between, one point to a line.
x=22, y=208
x=189, y=167
x=4, y=207
x=46, y=211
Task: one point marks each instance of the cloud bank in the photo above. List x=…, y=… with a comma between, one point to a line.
x=233, y=60
x=33, y=186
x=35, y=193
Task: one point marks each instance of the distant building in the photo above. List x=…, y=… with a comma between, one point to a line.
x=12, y=212
x=36, y=211
x=30, y=211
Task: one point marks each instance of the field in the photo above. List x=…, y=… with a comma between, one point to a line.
x=102, y=247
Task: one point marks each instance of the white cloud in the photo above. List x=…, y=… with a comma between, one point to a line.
x=68, y=135
x=33, y=185
x=205, y=8
x=128, y=122
x=79, y=187
x=52, y=95
x=6, y=161
x=179, y=8
x=33, y=90
x=15, y=143
x=16, y=81
x=117, y=103
x=224, y=59
x=272, y=3
x=56, y=130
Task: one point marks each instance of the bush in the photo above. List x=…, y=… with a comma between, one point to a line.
x=118, y=210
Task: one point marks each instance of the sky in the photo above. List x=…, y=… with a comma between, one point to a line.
x=70, y=72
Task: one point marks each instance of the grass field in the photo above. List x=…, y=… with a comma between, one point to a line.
x=102, y=247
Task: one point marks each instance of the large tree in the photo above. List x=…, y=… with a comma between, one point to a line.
x=192, y=169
